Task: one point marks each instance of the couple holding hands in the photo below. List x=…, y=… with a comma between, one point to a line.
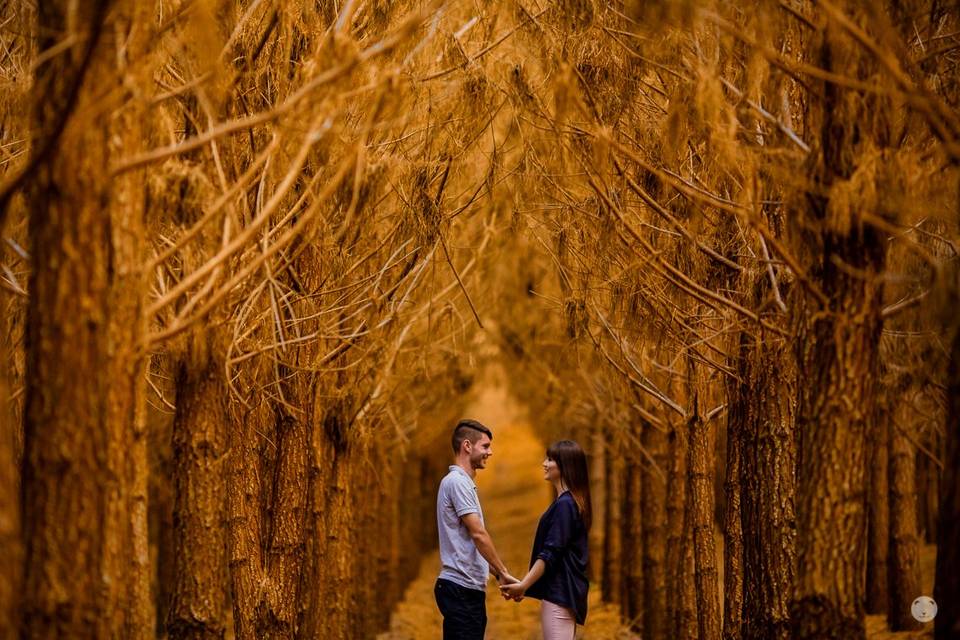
x=558, y=564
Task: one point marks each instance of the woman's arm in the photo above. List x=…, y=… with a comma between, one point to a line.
x=518, y=589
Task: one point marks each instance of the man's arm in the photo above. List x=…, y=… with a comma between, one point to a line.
x=484, y=543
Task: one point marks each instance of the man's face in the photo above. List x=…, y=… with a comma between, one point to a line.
x=480, y=451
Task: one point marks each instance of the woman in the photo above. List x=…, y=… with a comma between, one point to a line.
x=558, y=564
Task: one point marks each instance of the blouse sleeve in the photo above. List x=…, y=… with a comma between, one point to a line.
x=560, y=532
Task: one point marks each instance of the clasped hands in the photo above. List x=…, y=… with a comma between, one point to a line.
x=511, y=588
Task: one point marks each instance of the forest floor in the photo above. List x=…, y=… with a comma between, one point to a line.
x=513, y=495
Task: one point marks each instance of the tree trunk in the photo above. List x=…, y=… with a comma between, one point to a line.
x=278, y=608
x=243, y=524
x=598, y=473
x=199, y=599
x=330, y=560
x=632, y=540
x=681, y=605
x=84, y=492
x=701, y=470
x=904, y=554
x=878, y=511
x=927, y=492
x=946, y=590
x=160, y=430
x=768, y=481
x=837, y=344
x=612, y=544
x=687, y=624
x=733, y=526
x=391, y=520
x=838, y=387
x=11, y=548
x=654, y=520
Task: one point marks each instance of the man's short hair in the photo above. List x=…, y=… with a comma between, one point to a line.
x=468, y=430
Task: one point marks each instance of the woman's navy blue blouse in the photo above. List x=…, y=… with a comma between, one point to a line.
x=561, y=542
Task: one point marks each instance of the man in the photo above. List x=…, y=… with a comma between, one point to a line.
x=467, y=553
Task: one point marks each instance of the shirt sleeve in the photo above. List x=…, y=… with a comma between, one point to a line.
x=560, y=532
x=464, y=499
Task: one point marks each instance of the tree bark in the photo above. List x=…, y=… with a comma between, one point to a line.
x=330, y=559
x=681, y=606
x=701, y=470
x=654, y=520
x=927, y=490
x=199, y=599
x=283, y=556
x=837, y=344
x=632, y=540
x=84, y=484
x=904, y=554
x=768, y=466
x=946, y=590
x=878, y=511
x=839, y=375
x=243, y=524
x=687, y=623
x=11, y=547
x=598, y=473
x=612, y=544
x=733, y=526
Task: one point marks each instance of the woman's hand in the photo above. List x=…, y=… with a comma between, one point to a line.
x=513, y=591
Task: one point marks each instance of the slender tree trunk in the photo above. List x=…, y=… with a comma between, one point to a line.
x=127, y=375
x=598, y=472
x=613, y=499
x=160, y=431
x=11, y=548
x=284, y=551
x=199, y=600
x=904, y=555
x=701, y=470
x=733, y=527
x=681, y=605
x=632, y=597
x=654, y=521
x=243, y=524
x=331, y=565
x=392, y=520
x=768, y=466
x=946, y=590
x=84, y=492
x=927, y=491
x=878, y=511
x=687, y=625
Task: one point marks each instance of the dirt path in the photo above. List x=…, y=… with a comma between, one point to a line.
x=513, y=495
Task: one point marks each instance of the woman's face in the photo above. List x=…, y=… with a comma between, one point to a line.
x=551, y=472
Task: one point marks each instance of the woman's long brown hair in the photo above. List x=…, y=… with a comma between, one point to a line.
x=572, y=463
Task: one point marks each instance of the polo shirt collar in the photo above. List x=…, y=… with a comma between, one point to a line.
x=456, y=467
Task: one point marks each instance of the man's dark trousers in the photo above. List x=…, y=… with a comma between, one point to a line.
x=464, y=610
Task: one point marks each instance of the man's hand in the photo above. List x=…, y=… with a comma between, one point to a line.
x=513, y=591
x=506, y=578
